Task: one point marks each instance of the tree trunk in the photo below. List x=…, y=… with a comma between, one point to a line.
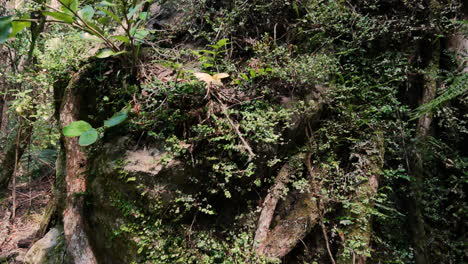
x=76, y=164
x=357, y=236
x=417, y=162
x=2, y=103
x=4, y=120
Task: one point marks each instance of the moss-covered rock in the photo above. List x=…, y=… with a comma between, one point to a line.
x=50, y=249
x=123, y=184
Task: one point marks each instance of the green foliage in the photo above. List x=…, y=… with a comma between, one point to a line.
x=97, y=25
x=211, y=59
x=89, y=135
x=312, y=76
x=116, y=119
x=458, y=87
x=77, y=128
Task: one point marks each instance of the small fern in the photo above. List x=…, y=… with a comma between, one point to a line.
x=458, y=87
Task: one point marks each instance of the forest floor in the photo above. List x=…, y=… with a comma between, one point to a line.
x=16, y=233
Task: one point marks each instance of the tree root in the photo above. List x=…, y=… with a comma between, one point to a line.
x=289, y=231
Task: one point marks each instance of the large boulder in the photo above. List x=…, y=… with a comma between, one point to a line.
x=124, y=181
x=50, y=249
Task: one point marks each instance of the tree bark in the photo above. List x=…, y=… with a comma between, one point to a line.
x=2, y=103
x=4, y=121
x=417, y=162
x=357, y=236
x=78, y=243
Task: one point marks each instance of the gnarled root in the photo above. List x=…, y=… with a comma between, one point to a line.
x=289, y=231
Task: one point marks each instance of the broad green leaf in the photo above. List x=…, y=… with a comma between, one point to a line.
x=104, y=53
x=104, y=20
x=18, y=26
x=141, y=34
x=143, y=15
x=109, y=13
x=77, y=128
x=116, y=119
x=86, y=13
x=135, y=27
x=5, y=28
x=88, y=137
x=60, y=16
x=135, y=9
x=122, y=38
x=68, y=5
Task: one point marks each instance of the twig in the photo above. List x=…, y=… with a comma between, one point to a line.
x=29, y=173
x=324, y=231
x=236, y=129
x=191, y=225
x=13, y=214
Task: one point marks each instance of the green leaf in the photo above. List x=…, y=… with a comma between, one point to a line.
x=116, y=119
x=143, y=15
x=222, y=42
x=5, y=28
x=18, y=26
x=458, y=87
x=104, y=20
x=105, y=53
x=77, y=128
x=60, y=16
x=135, y=9
x=131, y=179
x=141, y=34
x=86, y=13
x=69, y=4
x=88, y=137
x=109, y=13
x=122, y=38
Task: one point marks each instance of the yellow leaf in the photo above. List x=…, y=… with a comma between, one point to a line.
x=208, y=79
x=220, y=76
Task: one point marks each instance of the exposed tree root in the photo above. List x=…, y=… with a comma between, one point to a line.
x=289, y=231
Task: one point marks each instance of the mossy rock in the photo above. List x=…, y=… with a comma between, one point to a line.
x=122, y=182
x=50, y=249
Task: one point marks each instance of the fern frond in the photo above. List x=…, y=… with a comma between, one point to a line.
x=457, y=88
